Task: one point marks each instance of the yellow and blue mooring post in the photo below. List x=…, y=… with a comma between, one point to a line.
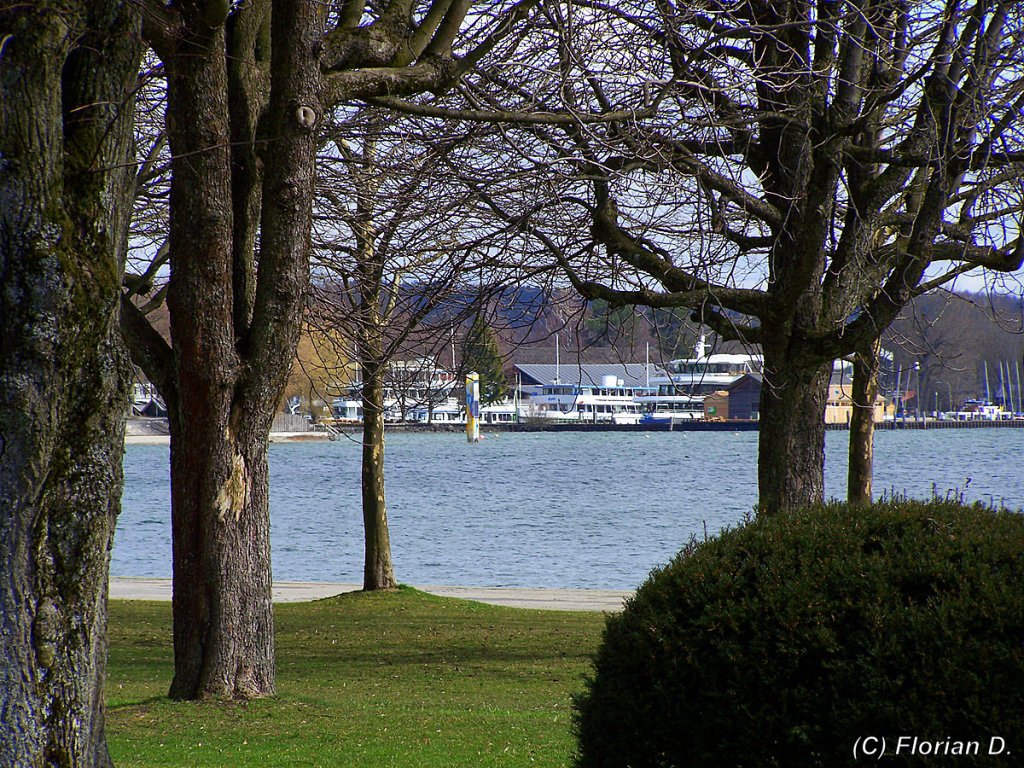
x=473, y=407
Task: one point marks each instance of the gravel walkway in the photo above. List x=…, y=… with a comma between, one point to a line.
x=134, y=588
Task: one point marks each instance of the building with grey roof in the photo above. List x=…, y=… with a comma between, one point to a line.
x=589, y=375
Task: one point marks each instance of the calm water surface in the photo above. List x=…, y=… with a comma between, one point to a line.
x=542, y=510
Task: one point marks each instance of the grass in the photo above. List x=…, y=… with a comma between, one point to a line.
x=402, y=679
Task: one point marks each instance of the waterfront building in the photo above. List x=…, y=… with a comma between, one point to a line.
x=839, y=405
x=739, y=401
x=745, y=396
x=716, y=406
x=413, y=389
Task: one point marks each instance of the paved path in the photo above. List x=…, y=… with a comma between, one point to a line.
x=133, y=588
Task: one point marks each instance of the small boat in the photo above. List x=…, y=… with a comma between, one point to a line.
x=662, y=408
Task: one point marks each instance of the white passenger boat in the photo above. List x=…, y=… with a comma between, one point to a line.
x=575, y=396
x=611, y=403
x=703, y=374
x=680, y=390
x=661, y=408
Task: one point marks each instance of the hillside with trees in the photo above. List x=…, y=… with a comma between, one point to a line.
x=964, y=344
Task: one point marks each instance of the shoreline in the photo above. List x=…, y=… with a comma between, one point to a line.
x=275, y=437
x=146, y=432
x=606, y=600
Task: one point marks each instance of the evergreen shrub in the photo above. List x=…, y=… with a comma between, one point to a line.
x=784, y=641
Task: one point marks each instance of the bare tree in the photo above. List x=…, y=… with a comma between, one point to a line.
x=800, y=172
x=247, y=86
x=943, y=337
x=221, y=377
x=402, y=257
x=67, y=72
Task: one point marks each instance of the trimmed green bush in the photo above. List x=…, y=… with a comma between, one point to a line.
x=783, y=642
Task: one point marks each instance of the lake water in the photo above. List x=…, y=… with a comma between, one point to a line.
x=578, y=509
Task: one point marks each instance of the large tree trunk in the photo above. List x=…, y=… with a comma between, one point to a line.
x=378, y=569
x=66, y=78
x=233, y=339
x=791, y=444
x=862, y=426
x=223, y=619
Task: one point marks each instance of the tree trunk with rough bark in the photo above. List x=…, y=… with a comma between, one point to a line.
x=791, y=444
x=243, y=153
x=221, y=538
x=223, y=619
x=234, y=328
x=66, y=81
x=862, y=426
x=378, y=569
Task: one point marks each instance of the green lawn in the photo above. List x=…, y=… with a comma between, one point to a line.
x=403, y=679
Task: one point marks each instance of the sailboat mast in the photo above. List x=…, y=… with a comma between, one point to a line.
x=1020, y=406
x=516, y=396
x=899, y=383
x=558, y=378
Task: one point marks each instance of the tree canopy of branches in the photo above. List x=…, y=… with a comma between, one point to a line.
x=793, y=172
x=67, y=72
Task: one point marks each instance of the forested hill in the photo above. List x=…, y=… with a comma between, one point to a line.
x=958, y=341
